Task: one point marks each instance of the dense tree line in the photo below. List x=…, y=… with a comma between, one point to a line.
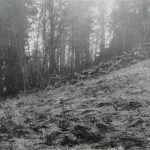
x=41, y=38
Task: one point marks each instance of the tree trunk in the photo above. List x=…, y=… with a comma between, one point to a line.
x=102, y=24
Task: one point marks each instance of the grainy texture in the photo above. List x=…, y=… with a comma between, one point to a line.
x=108, y=112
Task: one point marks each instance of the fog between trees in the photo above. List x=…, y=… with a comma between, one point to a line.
x=41, y=38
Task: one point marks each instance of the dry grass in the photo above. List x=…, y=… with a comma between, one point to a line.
x=110, y=112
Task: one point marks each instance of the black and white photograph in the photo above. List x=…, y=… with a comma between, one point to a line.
x=74, y=74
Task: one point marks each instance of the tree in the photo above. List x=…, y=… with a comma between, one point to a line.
x=80, y=28
x=53, y=26
x=130, y=23
x=102, y=24
x=13, y=36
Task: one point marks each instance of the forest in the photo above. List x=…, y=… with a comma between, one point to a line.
x=74, y=74
x=45, y=38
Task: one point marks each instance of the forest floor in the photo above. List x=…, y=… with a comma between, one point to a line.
x=108, y=112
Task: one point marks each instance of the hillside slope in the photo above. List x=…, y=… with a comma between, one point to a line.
x=109, y=112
